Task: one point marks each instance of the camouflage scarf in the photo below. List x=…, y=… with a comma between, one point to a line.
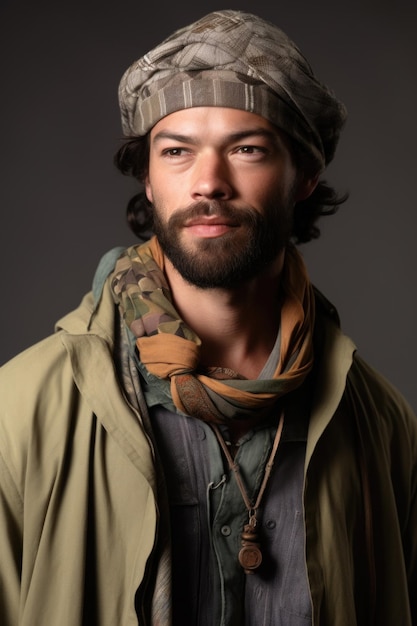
x=170, y=349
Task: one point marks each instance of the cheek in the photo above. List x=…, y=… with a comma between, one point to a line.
x=277, y=181
x=279, y=188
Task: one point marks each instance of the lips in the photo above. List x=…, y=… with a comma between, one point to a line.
x=211, y=220
x=208, y=228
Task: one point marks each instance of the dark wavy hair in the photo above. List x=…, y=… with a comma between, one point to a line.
x=132, y=159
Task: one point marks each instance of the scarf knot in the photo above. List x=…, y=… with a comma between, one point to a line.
x=170, y=350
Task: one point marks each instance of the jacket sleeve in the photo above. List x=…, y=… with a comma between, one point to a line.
x=390, y=425
x=11, y=531
x=410, y=531
x=18, y=402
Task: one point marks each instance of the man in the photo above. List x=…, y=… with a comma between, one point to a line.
x=199, y=443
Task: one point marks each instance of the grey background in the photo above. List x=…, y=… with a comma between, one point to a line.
x=63, y=202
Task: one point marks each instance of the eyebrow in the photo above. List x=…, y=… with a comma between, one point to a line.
x=237, y=136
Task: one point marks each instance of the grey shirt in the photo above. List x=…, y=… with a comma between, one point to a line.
x=208, y=515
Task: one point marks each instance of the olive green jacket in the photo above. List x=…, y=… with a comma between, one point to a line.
x=78, y=503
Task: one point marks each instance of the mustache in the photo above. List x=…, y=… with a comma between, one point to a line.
x=220, y=208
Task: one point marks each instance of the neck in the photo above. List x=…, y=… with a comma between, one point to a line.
x=238, y=327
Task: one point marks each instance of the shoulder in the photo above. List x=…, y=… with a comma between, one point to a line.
x=346, y=375
x=36, y=369
x=377, y=390
x=31, y=368
x=380, y=398
x=39, y=398
x=36, y=393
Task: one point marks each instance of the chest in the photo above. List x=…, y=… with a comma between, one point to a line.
x=207, y=518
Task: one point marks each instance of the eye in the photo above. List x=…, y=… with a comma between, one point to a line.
x=250, y=149
x=174, y=152
x=251, y=152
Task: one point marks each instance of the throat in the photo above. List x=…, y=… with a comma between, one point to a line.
x=249, y=362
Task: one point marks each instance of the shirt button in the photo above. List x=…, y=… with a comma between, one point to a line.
x=225, y=531
x=270, y=524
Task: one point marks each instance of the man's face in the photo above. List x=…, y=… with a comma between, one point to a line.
x=223, y=185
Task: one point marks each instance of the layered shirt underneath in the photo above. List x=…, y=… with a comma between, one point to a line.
x=207, y=515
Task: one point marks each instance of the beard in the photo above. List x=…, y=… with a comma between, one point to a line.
x=237, y=256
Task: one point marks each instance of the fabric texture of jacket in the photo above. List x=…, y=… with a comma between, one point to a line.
x=78, y=502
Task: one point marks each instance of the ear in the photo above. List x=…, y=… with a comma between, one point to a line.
x=306, y=186
x=148, y=189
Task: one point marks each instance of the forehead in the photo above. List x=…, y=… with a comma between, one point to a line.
x=213, y=121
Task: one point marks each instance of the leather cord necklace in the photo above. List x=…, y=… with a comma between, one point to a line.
x=250, y=555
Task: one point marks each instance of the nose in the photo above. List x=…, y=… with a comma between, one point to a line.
x=211, y=178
